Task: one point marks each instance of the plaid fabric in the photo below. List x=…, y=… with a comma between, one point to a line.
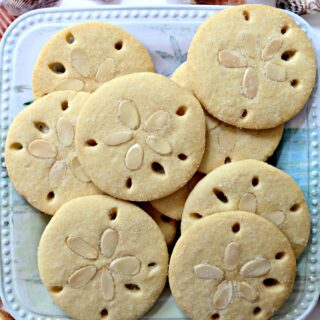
x=299, y=6
x=5, y=21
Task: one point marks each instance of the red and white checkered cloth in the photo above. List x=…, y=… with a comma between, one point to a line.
x=5, y=21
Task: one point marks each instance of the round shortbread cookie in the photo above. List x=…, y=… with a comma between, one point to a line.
x=225, y=143
x=221, y=268
x=253, y=186
x=141, y=137
x=172, y=205
x=40, y=153
x=84, y=56
x=252, y=66
x=103, y=258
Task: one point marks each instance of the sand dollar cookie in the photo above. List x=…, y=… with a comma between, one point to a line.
x=253, y=186
x=141, y=137
x=225, y=143
x=221, y=268
x=253, y=67
x=40, y=153
x=84, y=56
x=103, y=258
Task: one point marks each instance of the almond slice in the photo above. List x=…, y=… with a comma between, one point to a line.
x=275, y=72
x=65, y=132
x=256, y=268
x=81, y=248
x=248, y=202
x=42, y=149
x=276, y=217
x=250, y=83
x=57, y=173
x=227, y=139
x=117, y=138
x=128, y=114
x=250, y=44
x=82, y=276
x=127, y=266
x=79, y=60
x=70, y=84
x=134, y=157
x=106, y=71
x=207, y=271
x=157, y=121
x=248, y=292
x=231, y=59
x=108, y=242
x=223, y=295
x=271, y=48
x=232, y=255
x=158, y=145
x=77, y=170
x=107, y=285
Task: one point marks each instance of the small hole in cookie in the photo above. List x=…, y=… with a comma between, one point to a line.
x=152, y=264
x=244, y=113
x=256, y=310
x=129, y=183
x=284, y=29
x=255, y=181
x=41, y=126
x=132, y=287
x=280, y=255
x=91, y=143
x=236, y=227
x=157, y=167
x=294, y=83
x=246, y=15
x=113, y=213
x=295, y=207
x=182, y=156
x=215, y=316
x=64, y=105
x=56, y=289
x=16, y=146
x=57, y=67
x=118, y=45
x=270, y=282
x=181, y=111
x=227, y=160
x=165, y=218
x=70, y=38
x=220, y=195
x=50, y=196
x=287, y=55
x=104, y=313
x=195, y=215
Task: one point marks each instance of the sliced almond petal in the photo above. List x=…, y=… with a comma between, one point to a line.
x=128, y=265
x=65, y=132
x=117, y=138
x=276, y=217
x=227, y=138
x=70, y=84
x=250, y=83
x=275, y=72
x=42, y=149
x=57, y=173
x=79, y=60
x=250, y=44
x=106, y=71
x=207, y=271
x=248, y=292
x=256, y=268
x=231, y=59
x=157, y=121
x=223, y=295
x=82, y=276
x=248, y=202
x=81, y=248
x=128, y=114
x=107, y=285
x=108, y=242
x=77, y=170
x=232, y=255
x=271, y=48
x=159, y=145
x=134, y=157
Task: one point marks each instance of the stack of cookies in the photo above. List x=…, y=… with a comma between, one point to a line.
x=105, y=130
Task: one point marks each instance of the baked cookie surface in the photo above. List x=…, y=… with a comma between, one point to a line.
x=249, y=71
x=141, y=137
x=103, y=258
x=40, y=154
x=253, y=186
x=84, y=56
x=221, y=268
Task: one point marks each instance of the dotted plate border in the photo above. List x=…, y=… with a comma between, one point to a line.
x=168, y=13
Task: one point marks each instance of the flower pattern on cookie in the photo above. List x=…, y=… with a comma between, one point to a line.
x=250, y=81
x=228, y=288
x=124, y=265
x=129, y=116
